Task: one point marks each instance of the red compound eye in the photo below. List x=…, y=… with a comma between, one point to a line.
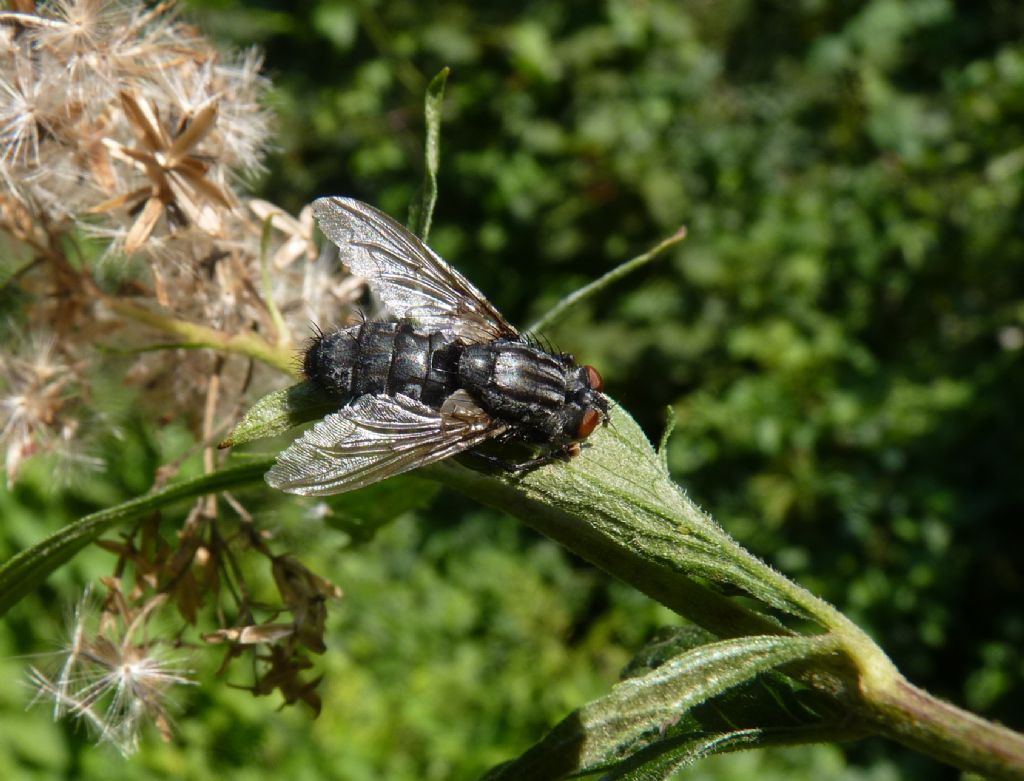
x=594, y=378
x=591, y=420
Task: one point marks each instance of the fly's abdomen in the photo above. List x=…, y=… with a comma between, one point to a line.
x=384, y=358
x=423, y=366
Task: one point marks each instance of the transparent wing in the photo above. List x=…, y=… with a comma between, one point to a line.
x=413, y=281
x=376, y=437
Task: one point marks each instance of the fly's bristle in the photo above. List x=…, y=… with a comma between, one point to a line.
x=539, y=341
x=309, y=355
x=608, y=421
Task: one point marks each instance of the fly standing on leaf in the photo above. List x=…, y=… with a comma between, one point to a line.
x=447, y=374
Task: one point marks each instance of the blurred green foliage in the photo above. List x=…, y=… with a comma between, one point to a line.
x=840, y=336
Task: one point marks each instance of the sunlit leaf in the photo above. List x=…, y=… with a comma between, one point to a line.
x=639, y=711
x=279, y=411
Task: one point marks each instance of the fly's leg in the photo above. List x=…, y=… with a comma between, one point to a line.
x=519, y=467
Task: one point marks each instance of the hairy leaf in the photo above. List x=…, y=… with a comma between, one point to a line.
x=279, y=411
x=640, y=711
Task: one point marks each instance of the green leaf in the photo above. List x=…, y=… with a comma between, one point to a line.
x=639, y=711
x=772, y=698
x=281, y=410
x=22, y=573
x=619, y=490
x=665, y=758
x=771, y=709
x=421, y=211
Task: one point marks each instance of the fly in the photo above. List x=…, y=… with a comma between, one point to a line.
x=448, y=373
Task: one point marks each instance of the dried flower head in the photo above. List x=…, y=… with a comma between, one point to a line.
x=37, y=405
x=177, y=186
x=113, y=677
x=134, y=98
x=120, y=125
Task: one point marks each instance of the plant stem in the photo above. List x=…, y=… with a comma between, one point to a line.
x=280, y=327
x=23, y=572
x=917, y=719
x=556, y=312
x=249, y=344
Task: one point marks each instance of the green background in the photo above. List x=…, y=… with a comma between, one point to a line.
x=840, y=337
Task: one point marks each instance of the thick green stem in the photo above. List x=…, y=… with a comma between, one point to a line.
x=915, y=718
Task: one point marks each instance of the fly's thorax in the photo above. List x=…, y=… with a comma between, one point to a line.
x=546, y=397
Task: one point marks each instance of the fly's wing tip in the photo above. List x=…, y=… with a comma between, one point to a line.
x=276, y=478
x=360, y=232
x=281, y=477
x=328, y=204
x=412, y=280
x=331, y=215
x=337, y=209
x=376, y=437
x=298, y=469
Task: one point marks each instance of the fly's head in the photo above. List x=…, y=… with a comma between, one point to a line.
x=587, y=405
